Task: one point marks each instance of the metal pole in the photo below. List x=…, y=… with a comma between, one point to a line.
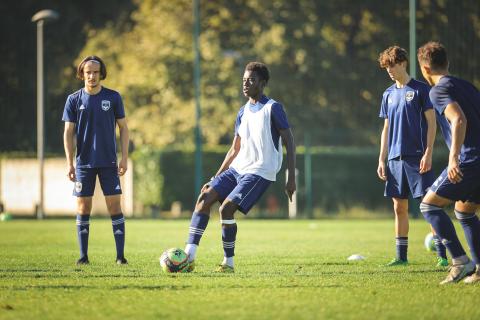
x=196, y=79
x=40, y=117
x=308, y=177
x=412, y=39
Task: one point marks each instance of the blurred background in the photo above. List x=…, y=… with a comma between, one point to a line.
x=322, y=56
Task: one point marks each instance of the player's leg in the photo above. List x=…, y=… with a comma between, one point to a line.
x=229, y=233
x=396, y=187
x=243, y=197
x=110, y=183
x=400, y=207
x=465, y=213
x=217, y=189
x=83, y=190
x=432, y=209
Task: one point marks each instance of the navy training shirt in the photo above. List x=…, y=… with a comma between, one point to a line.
x=95, y=122
x=407, y=126
x=451, y=89
x=278, y=122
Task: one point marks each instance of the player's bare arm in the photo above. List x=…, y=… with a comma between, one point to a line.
x=458, y=124
x=426, y=161
x=381, y=170
x=69, y=145
x=124, y=138
x=229, y=157
x=289, y=142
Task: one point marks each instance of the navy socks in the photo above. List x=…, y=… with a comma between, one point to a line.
x=118, y=225
x=83, y=230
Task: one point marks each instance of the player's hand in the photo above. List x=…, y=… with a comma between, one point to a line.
x=71, y=173
x=290, y=188
x=455, y=175
x=381, y=171
x=122, y=167
x=425, y=163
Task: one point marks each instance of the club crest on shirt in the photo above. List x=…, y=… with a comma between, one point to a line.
x=105, y=105
x=409, y=95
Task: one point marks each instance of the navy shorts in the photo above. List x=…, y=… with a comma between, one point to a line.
x=466, y=190
x=404, y=178
x=243, y=189
x=86, y=178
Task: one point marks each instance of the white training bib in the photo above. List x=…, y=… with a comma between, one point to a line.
x=258, y=154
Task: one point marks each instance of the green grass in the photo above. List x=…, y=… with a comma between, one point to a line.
x=284, y=270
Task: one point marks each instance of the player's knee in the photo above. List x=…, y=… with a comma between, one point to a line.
x=203, y=202
x=227, y=210
x=84, y=205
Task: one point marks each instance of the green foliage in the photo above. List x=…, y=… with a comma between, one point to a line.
x=284, y=270
x=322, y=57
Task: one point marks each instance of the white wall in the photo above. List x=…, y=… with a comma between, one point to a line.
x=19, y=189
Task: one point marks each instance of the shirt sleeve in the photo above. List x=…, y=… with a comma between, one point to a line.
x=119, y=109
x=440, y=98
x=384, y=107
x=70, y=110
x=279, y=117
x=425, y=98
x=238, y=120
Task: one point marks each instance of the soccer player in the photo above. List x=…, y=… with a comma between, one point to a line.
x=406, y=143
x=249, y=167
x=459, y=102
x=91, y=115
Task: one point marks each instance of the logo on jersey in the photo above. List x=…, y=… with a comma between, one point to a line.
x=82, y=107
x=105, y=105
x=78, y=186
x=390, y=101
x=409, y=95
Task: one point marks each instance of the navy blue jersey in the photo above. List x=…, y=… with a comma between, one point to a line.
x=95, y=121
x=445, y=128
x=279, y=118
x=451, y=89
x=407, y=126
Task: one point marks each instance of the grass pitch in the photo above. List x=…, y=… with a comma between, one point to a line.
x=284, y=270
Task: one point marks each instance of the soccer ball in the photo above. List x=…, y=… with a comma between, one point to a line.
x=429, y=242
x=174, y=260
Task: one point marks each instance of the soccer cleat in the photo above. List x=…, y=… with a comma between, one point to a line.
x=442, y=262
x=121, y=261
x=396, y=262
x=191, y=266
x=474, y=278
x=82, y=261
x=458, y=272
x=224, y=268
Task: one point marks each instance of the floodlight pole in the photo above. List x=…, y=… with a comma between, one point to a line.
x=41, y=18
x=196, y=80
x=412, y=38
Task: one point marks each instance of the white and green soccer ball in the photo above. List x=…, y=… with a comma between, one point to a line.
x=429, y=242
x=174, y=260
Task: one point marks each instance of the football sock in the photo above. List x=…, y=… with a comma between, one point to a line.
x=443, y=226
x=191, y=251
x=471, y=228
x=198, y=224
x=229, y=234
x=83, y=230
x=441, y=250
x=118, y=225
x=402, y=247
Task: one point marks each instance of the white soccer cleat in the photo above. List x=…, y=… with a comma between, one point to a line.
x=459, y=271
x=474, y=278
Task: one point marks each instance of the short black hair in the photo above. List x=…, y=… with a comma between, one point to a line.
x=259, y=68
x=81, y=65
